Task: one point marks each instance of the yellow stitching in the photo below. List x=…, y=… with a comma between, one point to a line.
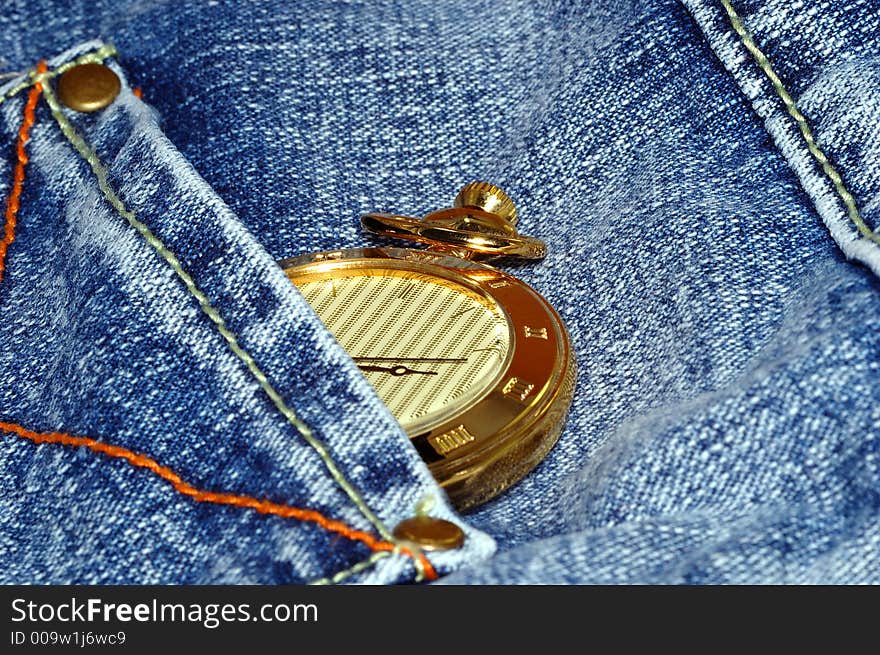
x=94, y=57
x=800, y=119
x=419, y=560
x=354, y=570
x=101, y=174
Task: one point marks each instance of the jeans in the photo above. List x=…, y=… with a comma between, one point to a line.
x=706, y=175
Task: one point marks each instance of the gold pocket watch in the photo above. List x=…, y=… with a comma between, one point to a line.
x=473, y=363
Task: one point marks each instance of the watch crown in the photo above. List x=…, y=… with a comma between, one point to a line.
x=489, y=198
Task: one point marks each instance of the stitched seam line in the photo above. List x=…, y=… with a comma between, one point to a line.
x=101, y=174
x=14, y=199
x=37, y=76
x=217, y=498
x=204, y=303
x=354, y=570
x=848, y=200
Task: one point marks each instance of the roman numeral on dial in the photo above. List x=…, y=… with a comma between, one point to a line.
x=517, y=389
x=451, y=439
x=535, y=333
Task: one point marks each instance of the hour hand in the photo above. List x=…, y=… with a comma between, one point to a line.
x=394, y=370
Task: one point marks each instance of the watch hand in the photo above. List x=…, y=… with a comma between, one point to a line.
x=496, y=348
x=396, y=370
x=431, y=360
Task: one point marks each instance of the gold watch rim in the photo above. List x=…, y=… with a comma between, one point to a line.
x=504, y=434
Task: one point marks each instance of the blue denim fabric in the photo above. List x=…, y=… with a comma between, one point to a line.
x=719, y=296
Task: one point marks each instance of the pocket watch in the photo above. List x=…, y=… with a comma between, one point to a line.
x=474, y=364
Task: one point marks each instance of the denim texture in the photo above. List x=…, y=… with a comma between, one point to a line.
x=719, y=297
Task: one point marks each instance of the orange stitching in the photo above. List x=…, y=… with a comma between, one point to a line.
x=236, y=500
x=13, y=200
x=143, y=461
x=138, y=92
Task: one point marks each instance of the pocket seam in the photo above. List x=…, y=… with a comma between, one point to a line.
x=39, y=77
x=791, y=107
x=139, y=460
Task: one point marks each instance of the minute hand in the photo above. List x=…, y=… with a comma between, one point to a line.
x=395, y=370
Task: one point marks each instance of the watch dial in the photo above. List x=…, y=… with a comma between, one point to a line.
x=429, y=346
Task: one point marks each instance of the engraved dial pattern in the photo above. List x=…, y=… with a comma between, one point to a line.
x=430, y=347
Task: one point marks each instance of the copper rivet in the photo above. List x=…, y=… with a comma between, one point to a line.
x=430, y=533
x=88, y=87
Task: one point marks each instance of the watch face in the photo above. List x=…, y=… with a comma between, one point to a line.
x=431, y=347
x=474, y=364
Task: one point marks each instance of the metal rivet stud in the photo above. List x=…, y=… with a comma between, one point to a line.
x=430, y=533
x=88, y=87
